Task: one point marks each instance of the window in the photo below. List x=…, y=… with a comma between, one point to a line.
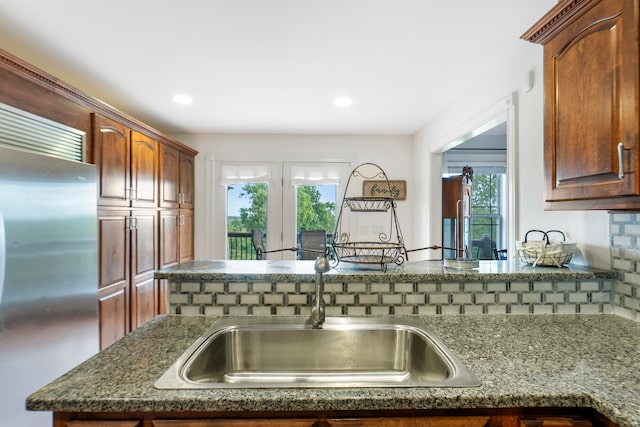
x=281, y=199
x=487, y=213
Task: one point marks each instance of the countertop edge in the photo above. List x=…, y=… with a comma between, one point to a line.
x=416, y=271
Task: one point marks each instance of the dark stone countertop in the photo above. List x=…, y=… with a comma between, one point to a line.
x=410, y=271
x=522, y=361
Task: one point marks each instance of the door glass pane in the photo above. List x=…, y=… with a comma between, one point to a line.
x=487, y=225
x=246, y=210
x=315, y=209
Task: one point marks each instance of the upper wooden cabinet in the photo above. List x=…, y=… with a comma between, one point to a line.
x=591, y=87
x=176, y=178
x=111, y=153
x=144, y=171
x=186, y=180
x=127, y=163
x=169, y=176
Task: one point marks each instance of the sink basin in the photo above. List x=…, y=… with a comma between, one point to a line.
x=288, y=352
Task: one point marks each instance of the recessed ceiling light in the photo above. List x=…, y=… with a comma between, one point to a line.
x=182, y=99
x=343, y=101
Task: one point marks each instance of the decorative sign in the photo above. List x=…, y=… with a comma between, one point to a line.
x=379, y=188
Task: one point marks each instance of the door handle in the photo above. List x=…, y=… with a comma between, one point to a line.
x=620, y=160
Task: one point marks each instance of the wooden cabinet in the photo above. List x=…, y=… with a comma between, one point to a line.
x=127, y=164
x=278, y=422
x=186, y=235
x=176, y=246
x=144, y=256
x=456, y=212
x=169, y=177
x=504, y=417
x=176, y=197
x=144, y=171
x=186, y=181
x=591, y=112
x=114, y=250
x=451, y=421
x=127, y=251
x=99, y=424
x=169, y=237
x=554, y=422
x=153, y=182
x=111, y=153
x=176, y=178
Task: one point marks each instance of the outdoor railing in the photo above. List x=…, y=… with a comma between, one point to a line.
x=240, y=246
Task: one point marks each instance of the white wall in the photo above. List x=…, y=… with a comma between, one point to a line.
x=589, y=228
x=394, y=154
x=417, y=160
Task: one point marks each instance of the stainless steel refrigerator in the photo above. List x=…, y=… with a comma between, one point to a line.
x=48, y=276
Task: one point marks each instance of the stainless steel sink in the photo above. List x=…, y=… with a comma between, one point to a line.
x=288, y=352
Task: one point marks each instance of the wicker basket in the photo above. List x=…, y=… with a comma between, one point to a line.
x=545, y=252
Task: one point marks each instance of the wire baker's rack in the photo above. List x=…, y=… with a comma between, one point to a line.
x=367, y=231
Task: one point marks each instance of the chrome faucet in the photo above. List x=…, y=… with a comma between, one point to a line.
x=317, y=309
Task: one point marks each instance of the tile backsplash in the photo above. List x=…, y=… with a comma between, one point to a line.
x=625, y=259
x=242, y=298
x=369, y=298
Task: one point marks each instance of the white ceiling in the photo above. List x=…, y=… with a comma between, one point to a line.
x=271, y=66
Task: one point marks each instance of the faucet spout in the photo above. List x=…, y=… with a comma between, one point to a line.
x=317, y=310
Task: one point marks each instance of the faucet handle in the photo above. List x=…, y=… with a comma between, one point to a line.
x=322, y=264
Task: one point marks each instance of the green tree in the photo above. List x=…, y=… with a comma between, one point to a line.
x=313, y=213
x=485, y=194
x=484, y=201
x=254, y=216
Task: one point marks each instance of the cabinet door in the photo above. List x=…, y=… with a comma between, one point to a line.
x=453, y=421
x=113, y=306
x=111, y=150
x=186, y=235
x=555, y=422
x=169, y=176
x=186, y=181
x=283, y=422
x=114, y=275
x=169, y=237
x=113, y=247
x=144, y=243
x=169, y=252
x=101, y=424
x=591, y=91
x=144, y=170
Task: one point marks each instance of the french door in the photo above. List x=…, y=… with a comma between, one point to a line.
x=281, y=198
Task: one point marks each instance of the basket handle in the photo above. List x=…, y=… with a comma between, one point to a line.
x=564, y=238
x=546, y=237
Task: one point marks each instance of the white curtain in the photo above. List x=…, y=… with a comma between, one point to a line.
x=244, y=173
x=316, y=174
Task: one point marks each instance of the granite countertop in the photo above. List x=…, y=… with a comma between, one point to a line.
x=288, y=271
x=522, y=361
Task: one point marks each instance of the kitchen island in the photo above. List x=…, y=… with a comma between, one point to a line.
x=529, y=365
x=530, y=361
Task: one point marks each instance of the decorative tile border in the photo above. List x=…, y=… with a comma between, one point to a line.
x=244, y=298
